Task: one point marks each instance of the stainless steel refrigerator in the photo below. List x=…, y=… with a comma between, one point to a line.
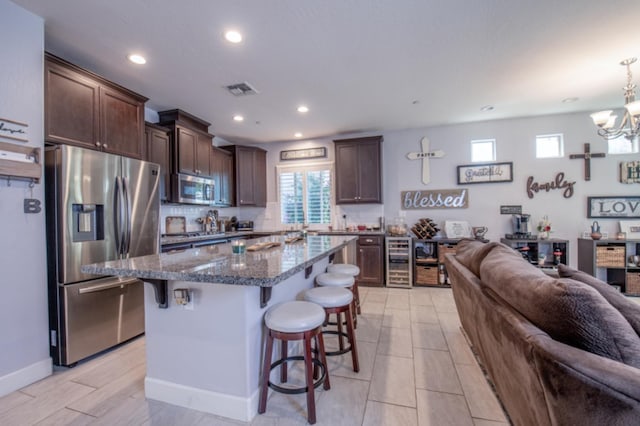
x=100, y=207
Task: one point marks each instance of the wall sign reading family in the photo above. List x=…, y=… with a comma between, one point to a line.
x=485, y=173
x=436, y=199
x=620, y=206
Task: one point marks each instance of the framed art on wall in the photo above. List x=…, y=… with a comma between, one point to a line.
x=485, y=173
x=613, y=207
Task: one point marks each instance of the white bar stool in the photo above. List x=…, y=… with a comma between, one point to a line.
x=334, y=279
x=297, y=320
x=338, y=301
x=354, y=271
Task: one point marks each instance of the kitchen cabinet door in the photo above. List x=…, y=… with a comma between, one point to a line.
x=186, y=150
x=251, y=176
x=358, y=170
x=157, y=150
x=71, y=107
x=370, y=261
x=221, y=171
x=121, y=123
x=203, y=155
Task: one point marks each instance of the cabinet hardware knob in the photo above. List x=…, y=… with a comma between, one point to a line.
x=104, y=145
x=97, y=143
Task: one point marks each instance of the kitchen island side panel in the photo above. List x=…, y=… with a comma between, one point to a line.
x=210, y=358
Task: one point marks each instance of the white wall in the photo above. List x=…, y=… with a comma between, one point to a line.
x=515, y=141
x=23, y=305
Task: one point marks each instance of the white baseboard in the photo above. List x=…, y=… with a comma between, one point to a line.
x=233, y=407
x=25, y=376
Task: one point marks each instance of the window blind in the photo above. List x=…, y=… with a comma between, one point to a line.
x=305, y=195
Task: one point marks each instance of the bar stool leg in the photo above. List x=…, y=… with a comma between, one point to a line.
x=266, y=369
x=308, y=367
x=352, y=340
x=356, y=294
x=283, y=354
x=339, y=326
x=323, y=359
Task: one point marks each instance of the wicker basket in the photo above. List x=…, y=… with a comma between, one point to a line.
x=610, y=256
x=444, y=249
x=426, y=275
x=633, y=283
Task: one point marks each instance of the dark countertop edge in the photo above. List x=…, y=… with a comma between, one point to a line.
x=214, y=279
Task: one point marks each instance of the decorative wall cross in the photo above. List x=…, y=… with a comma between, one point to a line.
x=425, y=155
x=587, y=156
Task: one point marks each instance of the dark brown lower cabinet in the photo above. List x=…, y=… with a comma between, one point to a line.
x=371, y=261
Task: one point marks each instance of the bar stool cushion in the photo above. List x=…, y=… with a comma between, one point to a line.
x=329, y=297
x=344, y=268
x=334, y=279
x=294, y=317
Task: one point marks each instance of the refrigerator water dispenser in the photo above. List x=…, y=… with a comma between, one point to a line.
x=88, y=222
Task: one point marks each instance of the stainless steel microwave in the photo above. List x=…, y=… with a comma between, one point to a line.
x=188, y=189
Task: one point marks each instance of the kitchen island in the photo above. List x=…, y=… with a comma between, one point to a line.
x=207, y=354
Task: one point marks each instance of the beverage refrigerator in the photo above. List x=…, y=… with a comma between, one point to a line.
x=99, y=207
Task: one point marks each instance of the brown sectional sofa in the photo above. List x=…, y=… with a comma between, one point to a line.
x=560, y=351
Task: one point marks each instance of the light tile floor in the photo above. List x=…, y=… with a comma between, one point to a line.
x=415, y=369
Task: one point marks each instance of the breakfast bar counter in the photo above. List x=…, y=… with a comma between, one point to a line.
x=206, y=355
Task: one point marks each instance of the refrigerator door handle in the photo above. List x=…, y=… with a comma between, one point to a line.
x=102, y=287
x=127, y=217
x=118, y=217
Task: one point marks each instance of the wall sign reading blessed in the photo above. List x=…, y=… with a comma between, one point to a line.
x=620, y=206
x=485, y=173
x=436, y=199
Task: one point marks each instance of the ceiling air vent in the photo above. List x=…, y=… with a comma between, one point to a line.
x=241, y=89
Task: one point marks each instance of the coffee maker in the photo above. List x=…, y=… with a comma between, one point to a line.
x=520, y=227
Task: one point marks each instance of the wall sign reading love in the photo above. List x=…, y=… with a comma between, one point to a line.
x=436, y=199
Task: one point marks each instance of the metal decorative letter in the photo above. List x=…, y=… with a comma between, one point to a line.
x=425, y=155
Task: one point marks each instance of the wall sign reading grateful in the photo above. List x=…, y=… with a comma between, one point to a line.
x=559, y=182
x=436, y=199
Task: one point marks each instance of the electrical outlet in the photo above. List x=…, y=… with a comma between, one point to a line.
x=189, y=306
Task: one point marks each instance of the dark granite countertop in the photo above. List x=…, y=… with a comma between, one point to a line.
x=216, y=264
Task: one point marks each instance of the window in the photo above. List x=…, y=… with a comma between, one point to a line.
x=305, y=194
x=483, y=150
x=621, y=145
x=549, y=146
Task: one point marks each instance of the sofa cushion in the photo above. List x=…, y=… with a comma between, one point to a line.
x=629, y=309
x=471, y=253
x=569, y=311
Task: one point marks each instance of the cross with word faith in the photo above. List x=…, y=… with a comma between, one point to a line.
x=425, y=155
x=587, y=156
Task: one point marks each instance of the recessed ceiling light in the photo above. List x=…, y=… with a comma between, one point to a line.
x=233, y=36
x=137, y=59
x=238, y=118
x=303, y=108
x=569, y=100
x=297, y=135
x=486, y=108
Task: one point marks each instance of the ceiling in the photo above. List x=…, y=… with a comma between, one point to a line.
x=359, y=65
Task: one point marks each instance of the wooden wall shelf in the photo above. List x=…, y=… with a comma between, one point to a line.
x=16, y=169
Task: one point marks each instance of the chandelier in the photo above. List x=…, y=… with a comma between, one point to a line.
x=630, y=124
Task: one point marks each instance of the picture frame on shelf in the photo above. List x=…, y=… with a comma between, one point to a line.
x=485, y=173
x=631, y=228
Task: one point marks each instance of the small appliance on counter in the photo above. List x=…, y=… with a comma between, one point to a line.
x=520, y=226
x=244, y=225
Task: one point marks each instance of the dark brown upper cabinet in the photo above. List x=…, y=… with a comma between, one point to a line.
x=83, y=109
x=222, y=171
x=158, y=150
x=250, y=174
x=191, y=142
x=358, y=170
